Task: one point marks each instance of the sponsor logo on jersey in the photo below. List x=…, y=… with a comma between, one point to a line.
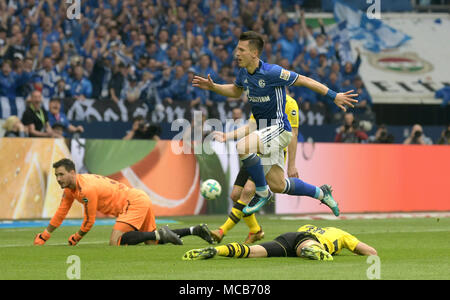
x=259, y=99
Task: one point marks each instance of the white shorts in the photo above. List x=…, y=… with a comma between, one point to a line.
x=274, y=139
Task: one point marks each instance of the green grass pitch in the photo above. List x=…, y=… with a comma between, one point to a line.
x=413, y=248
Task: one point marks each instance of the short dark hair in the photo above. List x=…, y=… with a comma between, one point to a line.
x=66, y=163
x=254, y=39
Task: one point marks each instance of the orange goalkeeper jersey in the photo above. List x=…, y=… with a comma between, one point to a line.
x=95, y=193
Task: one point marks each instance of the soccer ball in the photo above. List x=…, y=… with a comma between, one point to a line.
x=210, y=189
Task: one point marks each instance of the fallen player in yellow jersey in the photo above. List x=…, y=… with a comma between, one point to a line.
x=308, y=241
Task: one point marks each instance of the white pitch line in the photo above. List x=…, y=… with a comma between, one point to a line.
x=368, y=216
x=400, y=231
x=54, y=244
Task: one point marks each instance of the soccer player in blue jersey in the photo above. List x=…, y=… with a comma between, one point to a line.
x=264, y=85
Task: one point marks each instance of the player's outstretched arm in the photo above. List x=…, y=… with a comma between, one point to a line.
x=340, y=99
x=55, y=222
x=236, y=134
x=227, y=90
x=231, y=135
x=364, y=249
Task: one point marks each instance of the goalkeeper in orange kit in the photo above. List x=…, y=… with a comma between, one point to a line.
x=135, y=221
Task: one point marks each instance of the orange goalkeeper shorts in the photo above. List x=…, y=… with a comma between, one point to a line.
x=137, y=212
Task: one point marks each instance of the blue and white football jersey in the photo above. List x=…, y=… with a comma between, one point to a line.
x=266, y=92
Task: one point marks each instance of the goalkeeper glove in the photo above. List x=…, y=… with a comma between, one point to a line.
x=41, y=238
x=74, y=239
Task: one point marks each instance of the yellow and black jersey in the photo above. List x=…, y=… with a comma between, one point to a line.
x=332, y=238
x=291, y=111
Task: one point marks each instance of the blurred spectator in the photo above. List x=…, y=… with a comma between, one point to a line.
x=350, y=69
x=117, y=82
x=48, y=76
x=199, y=48
x=141, y=66
x=223, y=35
x=445, y=137
x=334, y=112
x=309, y=62
x=14, y=46
x=204, y=66
x=35, y=118
x=10, y=81
x=151, y=49
x=143, y=130
x=101, y=75
x=196, y=96
x=46, y=31
x=62, y=90
x=57, y=117
x=364, y=106
x=132, y=90
x=14, y=128
x=172, y=56
x=149, y=94
x=417, y=137
x=222, y=59
x=382, y=136
x=163, y=44
x=323, y=68
x=176, y=90
x=80, y=86
x=288, y=46
x=238, y=119
x=350, y=132
x=58, y=129
x=268, y=54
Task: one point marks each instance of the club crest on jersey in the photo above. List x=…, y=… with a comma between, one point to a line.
x=261, y=83
x=285, y=74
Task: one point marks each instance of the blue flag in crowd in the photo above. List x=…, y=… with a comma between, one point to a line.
x=376, y=35
x=340, y=34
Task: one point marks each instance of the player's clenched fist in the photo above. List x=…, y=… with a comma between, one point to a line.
x=74, y=239
x=41, y=238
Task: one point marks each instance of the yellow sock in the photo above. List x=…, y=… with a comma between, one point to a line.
x=237, y=250
x=252, y=223
x=234, y=217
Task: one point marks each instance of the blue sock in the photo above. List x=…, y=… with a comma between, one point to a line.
x=254, y=168
x=297, y=187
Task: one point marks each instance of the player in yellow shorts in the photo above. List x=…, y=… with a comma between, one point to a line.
x=243, y=190
x=308, y=241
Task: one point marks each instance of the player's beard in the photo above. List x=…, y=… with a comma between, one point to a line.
x=62, y=185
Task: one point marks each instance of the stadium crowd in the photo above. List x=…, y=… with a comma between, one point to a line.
x=129, y=51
